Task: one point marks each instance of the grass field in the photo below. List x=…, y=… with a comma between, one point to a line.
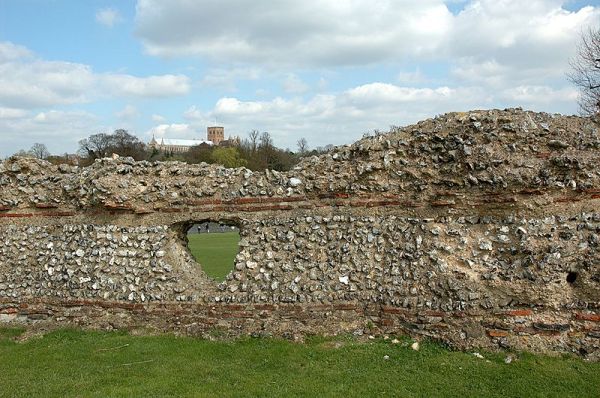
x=215, y=252
x=97, y=364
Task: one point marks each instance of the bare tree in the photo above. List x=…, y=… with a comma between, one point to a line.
x=253, y=139
x=302, y=145
x=266, y=142
x=125, y=144
x=95, y=146
x=39, y=151
x=120, y=142
x=585, y=72
x=23, y=153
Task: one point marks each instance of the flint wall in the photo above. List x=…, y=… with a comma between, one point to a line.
x=479, y=228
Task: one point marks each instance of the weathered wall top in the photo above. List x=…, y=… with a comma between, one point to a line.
x=437, y=160
x=479, y=228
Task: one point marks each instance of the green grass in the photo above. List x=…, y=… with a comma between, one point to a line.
x=70, y=363
x=215, y=252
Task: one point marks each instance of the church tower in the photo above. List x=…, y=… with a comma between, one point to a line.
x=216, y=134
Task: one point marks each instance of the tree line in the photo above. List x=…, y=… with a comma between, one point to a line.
x=256, y=152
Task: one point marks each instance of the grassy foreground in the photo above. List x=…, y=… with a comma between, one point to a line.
x=215, y=252
x=98, y=364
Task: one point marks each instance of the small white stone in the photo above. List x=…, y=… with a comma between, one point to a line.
x=395, y=341
x=294, y=182
x=386, y=357
x=522, y=231
x=485, y=245
x=79, y=252
x=344, y=279
x=478, y=355
x=503, y=238
x=415, y=346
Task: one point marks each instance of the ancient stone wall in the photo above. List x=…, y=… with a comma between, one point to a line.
x=479, y=228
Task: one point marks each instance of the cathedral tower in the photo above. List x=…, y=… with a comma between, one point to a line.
x=215, y=134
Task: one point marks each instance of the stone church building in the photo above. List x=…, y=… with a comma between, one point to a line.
x=215, y=135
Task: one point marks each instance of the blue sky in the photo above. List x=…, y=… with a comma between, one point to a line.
x=328, y=71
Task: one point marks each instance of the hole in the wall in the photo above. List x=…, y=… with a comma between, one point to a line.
x=214, y=245
x=571, y=277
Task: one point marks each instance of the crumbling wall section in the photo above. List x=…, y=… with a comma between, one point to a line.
x=479, y=228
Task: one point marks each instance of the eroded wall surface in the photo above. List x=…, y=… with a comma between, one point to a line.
x=479, y=228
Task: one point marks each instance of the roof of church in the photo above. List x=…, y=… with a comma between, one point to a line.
x=175, y=141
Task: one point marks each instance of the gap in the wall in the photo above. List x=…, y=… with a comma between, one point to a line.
x=214, y=244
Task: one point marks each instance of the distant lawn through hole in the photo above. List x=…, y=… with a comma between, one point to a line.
x=215, y=252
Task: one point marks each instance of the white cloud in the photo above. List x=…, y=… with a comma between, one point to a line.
x=28, y=82
x=412, y=77
x=291, y=32
x=372, y=94
x=12, y=113
x=226, y=78
x=59, y=130
x=294, y=85
x=151, y=86
x=488, y=72
x=108, y=17
x=319, y=33
x=10, y=51
x=193, y=113
x=35, y=83
x=496, y=44
x=536, y=34
x=158, y=119
x=530, y=96
x=175, y=130
x=322, y=84
x=129, y=112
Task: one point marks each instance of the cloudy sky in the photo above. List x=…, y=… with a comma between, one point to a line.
x=326, y=70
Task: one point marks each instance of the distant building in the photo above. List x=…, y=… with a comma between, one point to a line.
x=215, y=135
x=176, y=145
x=231, y=141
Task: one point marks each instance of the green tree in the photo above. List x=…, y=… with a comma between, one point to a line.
x=199, y=153
x=228, y=157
